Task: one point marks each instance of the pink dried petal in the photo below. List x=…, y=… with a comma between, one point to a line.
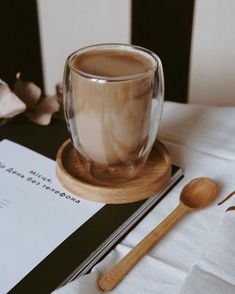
x=28, y=92
x=59, y=90
x=39, y=117
x=10, y=104
x=48, y=104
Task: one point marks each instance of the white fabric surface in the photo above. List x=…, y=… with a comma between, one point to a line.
x=214, y=272
x=202, y=140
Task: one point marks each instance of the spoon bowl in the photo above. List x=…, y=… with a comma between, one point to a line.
x=199, y=193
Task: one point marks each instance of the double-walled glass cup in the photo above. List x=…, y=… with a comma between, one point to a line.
x=113, y=115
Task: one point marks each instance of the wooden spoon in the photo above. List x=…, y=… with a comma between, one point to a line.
x=197, y=194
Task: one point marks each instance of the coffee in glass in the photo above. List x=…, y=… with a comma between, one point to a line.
x=113, y=97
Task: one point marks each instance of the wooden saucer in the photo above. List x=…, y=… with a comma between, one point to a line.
x=153, y=178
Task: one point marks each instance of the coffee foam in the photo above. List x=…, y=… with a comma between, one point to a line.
x=113, y=63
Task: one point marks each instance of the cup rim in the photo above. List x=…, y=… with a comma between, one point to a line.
x=143, y=50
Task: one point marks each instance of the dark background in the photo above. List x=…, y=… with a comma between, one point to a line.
x=163, y=26
x=20, y=42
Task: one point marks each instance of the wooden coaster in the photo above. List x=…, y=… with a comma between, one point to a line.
x=152, y=179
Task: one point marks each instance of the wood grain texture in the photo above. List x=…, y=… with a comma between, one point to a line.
x=110, y=279
x=77, y=180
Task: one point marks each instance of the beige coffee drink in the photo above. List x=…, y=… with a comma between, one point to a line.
x=110, y=109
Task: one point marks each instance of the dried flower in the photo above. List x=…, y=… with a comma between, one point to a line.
x=42, y=112
x=38, y=109
x=28, y=92
x=10, y=104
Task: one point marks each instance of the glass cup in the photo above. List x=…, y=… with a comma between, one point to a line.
x=113, y=98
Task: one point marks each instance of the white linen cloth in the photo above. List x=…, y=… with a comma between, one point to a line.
x=202, y=140
x=214, y=272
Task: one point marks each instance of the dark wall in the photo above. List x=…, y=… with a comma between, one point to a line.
x=165, y=27
x=20, y=44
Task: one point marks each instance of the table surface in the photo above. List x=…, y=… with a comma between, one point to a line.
x=201, y=140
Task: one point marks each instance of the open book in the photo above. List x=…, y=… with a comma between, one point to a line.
x=48, y=235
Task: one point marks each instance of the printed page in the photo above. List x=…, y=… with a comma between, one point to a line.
x=36, y=212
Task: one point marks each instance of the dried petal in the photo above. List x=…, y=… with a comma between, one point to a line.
x=10, y=104
x=39, y=118
x=59, y=94
x=43, y=111
x=28, y=92
x=59, y=90
x=48, y=104
x=2, y=82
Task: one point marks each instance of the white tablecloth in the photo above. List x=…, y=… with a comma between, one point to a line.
x=202, y=140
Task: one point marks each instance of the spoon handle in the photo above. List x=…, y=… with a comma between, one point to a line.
x=111, y=278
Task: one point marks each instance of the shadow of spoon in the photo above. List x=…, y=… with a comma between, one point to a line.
x=197, y=194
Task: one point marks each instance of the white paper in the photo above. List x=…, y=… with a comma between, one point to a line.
x=36, y=212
